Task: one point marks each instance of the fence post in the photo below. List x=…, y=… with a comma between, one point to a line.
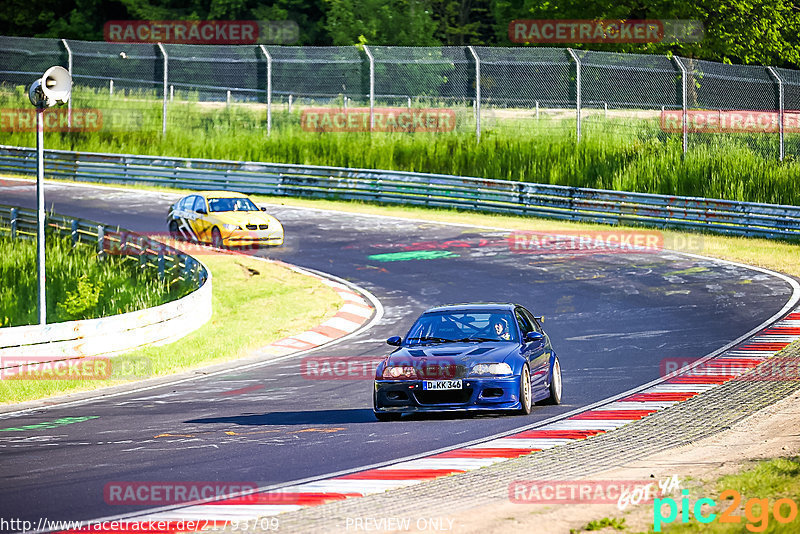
x=13, y=223
x=371, y=87
x=110, y=87
x=577, y=91
x=160, y=261
x=69, y=68
x=100, y=240
x=778, y=79
x=164, y=107
x=269, y=87
x=477, y=92
x=684, y=91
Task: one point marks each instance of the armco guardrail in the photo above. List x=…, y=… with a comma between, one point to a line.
x=434, y=190
x=118, y=333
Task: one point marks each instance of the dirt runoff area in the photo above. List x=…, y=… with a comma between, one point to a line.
x=770, y=433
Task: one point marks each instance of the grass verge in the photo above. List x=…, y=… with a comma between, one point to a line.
x=254, y=303
x=79, y=284
x=628, y=153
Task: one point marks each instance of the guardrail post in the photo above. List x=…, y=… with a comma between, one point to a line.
x=69, y=69
x=269, y=88
x=477, y=91
x=684, y=92
x=371, y=87
x=74, y=232
x=166, y=77
x=101, y=237
x=160, y=261
x=13, y=223
x=778, y=79
x=577, y=91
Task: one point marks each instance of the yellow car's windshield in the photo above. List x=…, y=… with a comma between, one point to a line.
x=231, y=204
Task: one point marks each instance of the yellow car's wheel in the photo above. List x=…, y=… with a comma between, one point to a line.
x=216, y=238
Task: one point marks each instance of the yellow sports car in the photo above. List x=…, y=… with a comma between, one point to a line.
x=224, y=219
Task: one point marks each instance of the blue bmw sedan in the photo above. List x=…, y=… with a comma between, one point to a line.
x=468, y=357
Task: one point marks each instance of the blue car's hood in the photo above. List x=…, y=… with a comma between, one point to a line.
x=457, y=353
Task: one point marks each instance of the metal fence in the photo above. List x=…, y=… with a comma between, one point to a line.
x=170, y=264
x=489, y=86
x=432, y=190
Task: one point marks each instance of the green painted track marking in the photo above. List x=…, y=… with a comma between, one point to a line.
x=413, y=255
x=49, y=424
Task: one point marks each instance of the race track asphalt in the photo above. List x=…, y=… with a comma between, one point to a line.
x=613, y=319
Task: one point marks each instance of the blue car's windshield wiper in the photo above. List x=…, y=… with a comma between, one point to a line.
x=478, y=339
x=431, y=339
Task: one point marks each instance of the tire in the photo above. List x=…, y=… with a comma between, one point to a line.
x=174, y=231
x=555, y=385
x=386, y=417
x=216, y=238
x=525, y=391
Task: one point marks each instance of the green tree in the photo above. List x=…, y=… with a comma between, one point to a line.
x=381, y=22
x=736, y=31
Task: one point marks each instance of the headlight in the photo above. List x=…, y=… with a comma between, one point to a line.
x=491, y=369
x=406, y=372
x=231, y=227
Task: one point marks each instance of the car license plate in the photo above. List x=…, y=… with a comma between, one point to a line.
x=438, y=385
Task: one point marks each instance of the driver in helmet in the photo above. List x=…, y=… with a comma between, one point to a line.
x=500, y=326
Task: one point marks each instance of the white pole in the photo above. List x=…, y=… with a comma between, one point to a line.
x=69, y=68
x=684, y=112
x=110, y=87
x=778, y=79
x=477, y=92
x=269, y=88
x=371, y=88
x=40, y=209
x=164, y=106
x=577, y=91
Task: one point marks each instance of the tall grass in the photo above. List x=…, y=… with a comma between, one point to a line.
x=79, y=285
x=630, y=154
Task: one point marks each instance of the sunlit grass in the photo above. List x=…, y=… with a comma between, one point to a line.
x=623, y=153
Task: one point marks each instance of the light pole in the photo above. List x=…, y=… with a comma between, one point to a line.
x=53, y=88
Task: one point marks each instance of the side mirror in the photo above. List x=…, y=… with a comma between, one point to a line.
x=533, y=337
x=540, y=319
x=394, y=341
x=202, y=211
x=263, y=208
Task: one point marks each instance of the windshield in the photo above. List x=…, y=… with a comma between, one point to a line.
x=447, y=327
x=231, y=204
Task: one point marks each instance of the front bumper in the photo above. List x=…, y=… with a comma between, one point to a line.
x=480, y=393
x=243, y=238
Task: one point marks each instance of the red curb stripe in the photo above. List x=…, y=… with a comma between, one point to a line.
x=768, y=345
x=351, y=317
x=656, y=396
x=247, y=389
x=726, y=362
x=705, y=379
x=558, y=434
x=782, y=330
x=399, y=474
x=300, y=498
x=329, y=331
x=595, y=415
x=792, y=317
x=485, y=453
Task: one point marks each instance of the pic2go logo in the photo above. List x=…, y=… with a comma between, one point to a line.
x=756, y=511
